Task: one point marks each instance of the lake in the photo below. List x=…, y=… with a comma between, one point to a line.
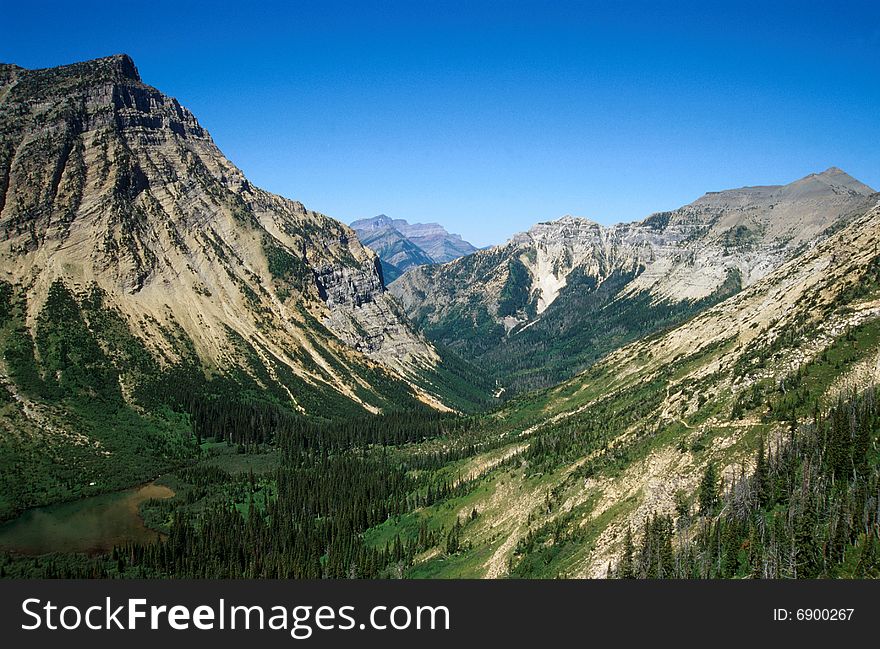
x=91, y=525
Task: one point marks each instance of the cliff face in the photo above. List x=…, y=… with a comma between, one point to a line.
x=574, y=289
x=363, y=316
x=107, y=183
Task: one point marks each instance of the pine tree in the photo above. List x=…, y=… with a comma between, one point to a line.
x=453, y=539
x=709, y=496
x=762, y=478
x=627, y=569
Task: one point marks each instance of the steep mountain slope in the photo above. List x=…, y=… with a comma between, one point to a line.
x=140, y=266
x=556, y=298
x=402, y=245
x=561, y=475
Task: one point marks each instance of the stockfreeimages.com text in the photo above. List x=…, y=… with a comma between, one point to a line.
x=299, y=621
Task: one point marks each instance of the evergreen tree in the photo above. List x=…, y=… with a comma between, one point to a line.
x=761, y=477
x=627, y=569
x=709, y=496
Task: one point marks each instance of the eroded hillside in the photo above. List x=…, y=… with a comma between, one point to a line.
x=140, y=269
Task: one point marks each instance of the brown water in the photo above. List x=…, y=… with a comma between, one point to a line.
x=92, y=525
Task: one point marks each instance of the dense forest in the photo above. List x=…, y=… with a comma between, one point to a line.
x=810, y=508
x=303, y=518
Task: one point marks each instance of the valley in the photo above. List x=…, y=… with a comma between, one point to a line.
x=662, y=398
x=551, y=301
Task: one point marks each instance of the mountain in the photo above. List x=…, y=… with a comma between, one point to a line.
x=401, y=245
x=396, y=252
x=162, y=319
x=439, y=244
x=741, y=443
x=145, y=281
x=552, y=300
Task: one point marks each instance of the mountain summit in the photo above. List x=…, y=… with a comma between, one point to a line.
x=402, y=245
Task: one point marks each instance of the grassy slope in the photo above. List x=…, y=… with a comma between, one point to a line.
x=67, y=430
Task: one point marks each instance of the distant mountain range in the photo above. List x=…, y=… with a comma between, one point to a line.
x=402, y=245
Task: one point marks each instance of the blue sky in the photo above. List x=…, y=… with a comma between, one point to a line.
x=488, y=117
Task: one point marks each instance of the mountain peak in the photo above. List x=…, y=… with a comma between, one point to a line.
x=839, y=178
x=118, y=67
x=565, y=220
x=122, y=64
x=823, y=185
x=571, y=218
x=401, y=244
x=378, y=222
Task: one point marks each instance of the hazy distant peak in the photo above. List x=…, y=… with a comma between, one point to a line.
x=378, y=222
x=428, y=242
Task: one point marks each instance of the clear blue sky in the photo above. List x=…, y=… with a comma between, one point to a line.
x=488, y=117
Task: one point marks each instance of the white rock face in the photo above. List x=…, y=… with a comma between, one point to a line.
x=547, y=280
x=553, y=250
